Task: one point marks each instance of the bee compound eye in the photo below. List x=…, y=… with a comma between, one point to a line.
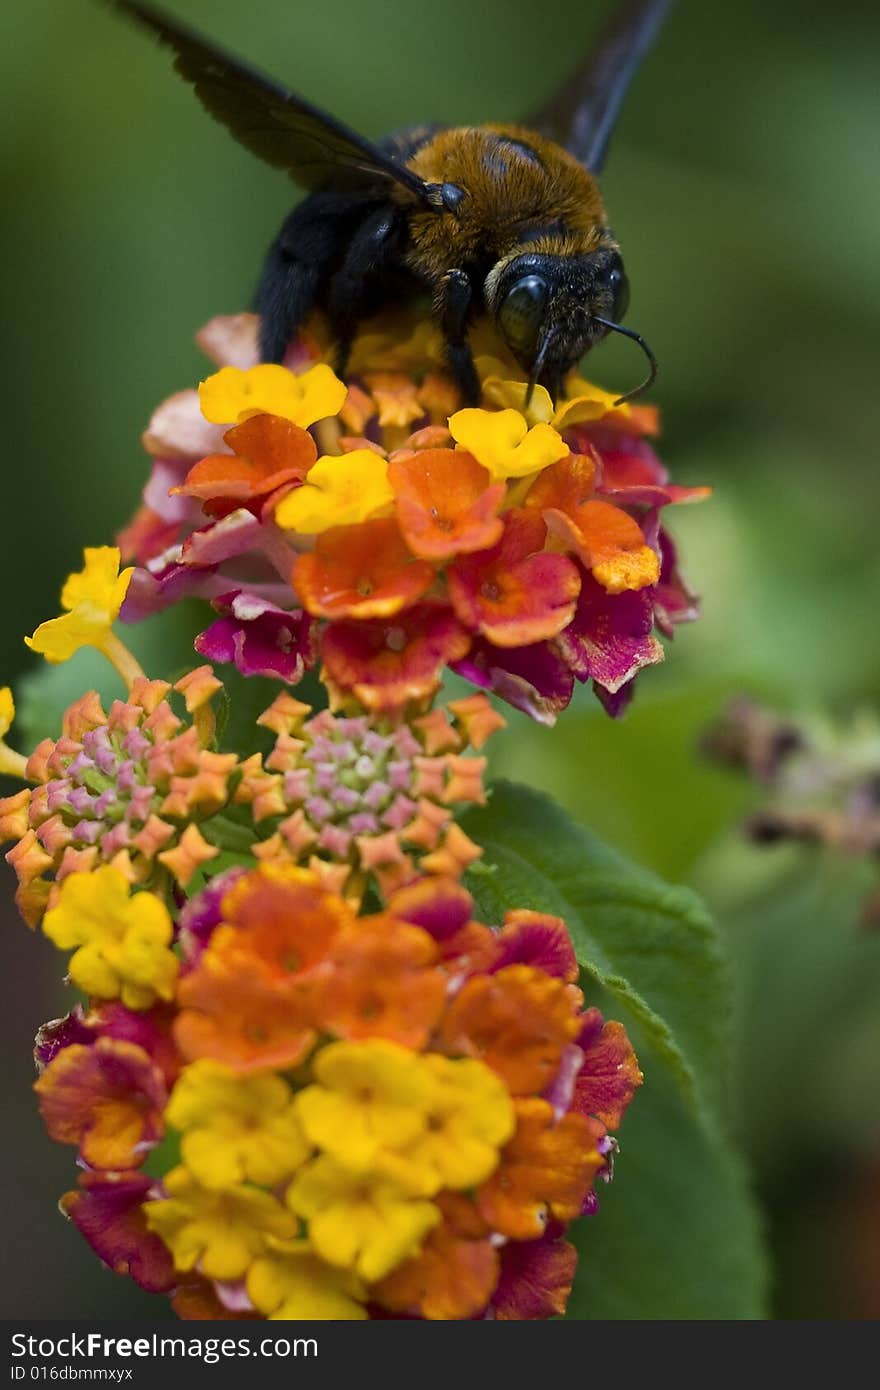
x=618, y=284
x=522, y=312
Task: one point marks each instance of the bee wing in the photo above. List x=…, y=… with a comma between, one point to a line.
x=582, y=114
x=274, y=124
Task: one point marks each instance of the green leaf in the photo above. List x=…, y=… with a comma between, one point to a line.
x=808, y=980
x=676, y=1235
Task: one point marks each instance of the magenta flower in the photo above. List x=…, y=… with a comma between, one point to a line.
x=260, y=638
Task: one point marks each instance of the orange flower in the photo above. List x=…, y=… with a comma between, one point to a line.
x=546, y=1171
x=515, y=594
x=446, y=503
x=232, y=1011
x=517, y=1021
x=383, y=983
x=249, y=1000
x=363, y=571
x=283, y=916
x=385, y=664
x=607, y=540
x=451, y=1278
x=268, y=453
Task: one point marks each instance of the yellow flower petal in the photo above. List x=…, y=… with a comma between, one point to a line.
x=232, y=395
x=7, y=710
x=220, y=1232
x=512, y=395
x=470, y=1120
x=371, y=1096
x=340, y=490
x=584, y=403
x=236, y=1127
x=293, y=1284
x=502, y=442
x=124, y=938
x=93, y=598
x=361, y=1222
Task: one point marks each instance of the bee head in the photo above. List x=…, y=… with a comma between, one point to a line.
x=550, y=309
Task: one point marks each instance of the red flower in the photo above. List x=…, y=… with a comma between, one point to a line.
x=610, y=636
x=609, y=1075
x=385, y=664
x=515, y=593
x=107, y=1099
x=107, y=1210
x=536, y=1279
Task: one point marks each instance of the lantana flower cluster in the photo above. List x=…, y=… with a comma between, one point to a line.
x=303, y=1079
x=309, y=1084
x=393, y=1114
x=375, y=527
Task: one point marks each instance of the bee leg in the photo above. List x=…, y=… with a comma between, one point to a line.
x=453, y=311
x=310, y=240
x=354, y=284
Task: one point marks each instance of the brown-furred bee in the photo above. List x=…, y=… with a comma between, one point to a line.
x=502, y=219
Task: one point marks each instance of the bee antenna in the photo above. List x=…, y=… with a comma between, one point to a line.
x=637, y=338
x=538, y=364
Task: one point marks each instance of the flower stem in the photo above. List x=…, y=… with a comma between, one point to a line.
x=119, y=655
x=12, y=764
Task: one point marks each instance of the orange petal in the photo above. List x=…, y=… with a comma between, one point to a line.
x=363, y=571
x=446, y=503
x=450, y=1280
x=606, y=539
x=268, y=452
x=517, y=1021
x=546, y=1171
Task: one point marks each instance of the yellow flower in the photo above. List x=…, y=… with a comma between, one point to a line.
x=11, y=763
x=232, y=395
x=93, y=598
x=502, y=441
x=511, y=395
x=236, y=1127
x=584, y=403
x=363, y=1222
x=7, y=711
x=372, y=1097
x=124, y=939
x=470, y=1119
x=290, y=1282
x=340, y=490
x=219, y=1233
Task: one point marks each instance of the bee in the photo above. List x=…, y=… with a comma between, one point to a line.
x=505, y=220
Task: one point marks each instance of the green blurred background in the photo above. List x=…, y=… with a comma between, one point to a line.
x=743, y=188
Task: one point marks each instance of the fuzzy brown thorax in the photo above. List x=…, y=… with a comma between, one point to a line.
x=522, y=192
